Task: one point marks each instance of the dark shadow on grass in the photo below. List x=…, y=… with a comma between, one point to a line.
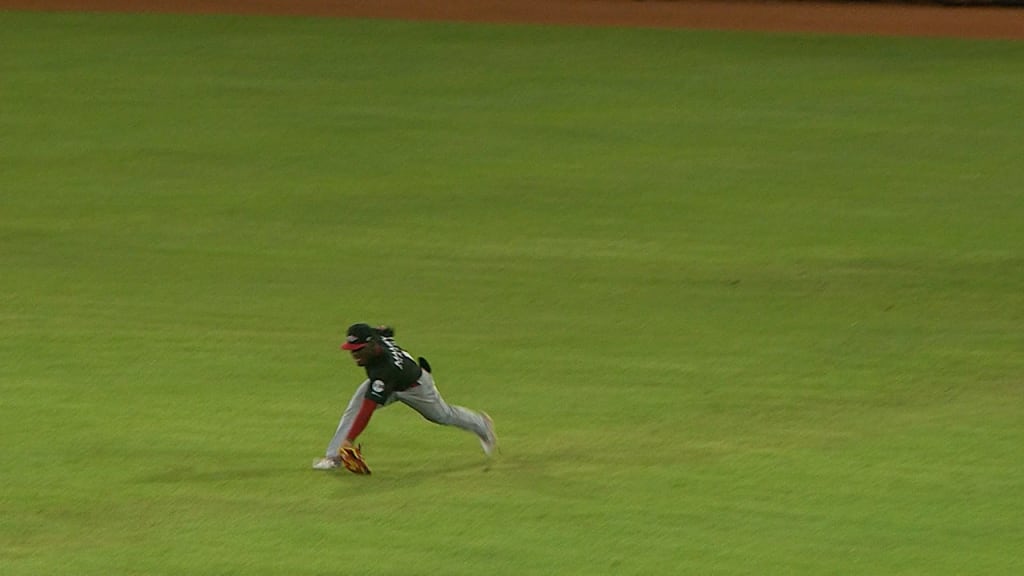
x=404, y=475
x=224, y=475
x=418, y=469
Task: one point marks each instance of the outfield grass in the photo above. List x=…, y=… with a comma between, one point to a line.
x=739, y=303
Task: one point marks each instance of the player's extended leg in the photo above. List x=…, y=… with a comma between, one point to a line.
x=426, y=400
x=347, y=418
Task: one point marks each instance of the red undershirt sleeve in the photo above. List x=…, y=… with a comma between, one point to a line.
x=362, y=419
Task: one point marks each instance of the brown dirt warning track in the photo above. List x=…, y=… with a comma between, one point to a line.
x=864, y=18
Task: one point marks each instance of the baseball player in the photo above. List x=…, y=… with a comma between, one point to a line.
x=393, y=375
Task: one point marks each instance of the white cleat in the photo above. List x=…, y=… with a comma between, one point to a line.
x=489, y=442
x=326, y=464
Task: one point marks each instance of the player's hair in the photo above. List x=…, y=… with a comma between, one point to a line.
x=384, y=331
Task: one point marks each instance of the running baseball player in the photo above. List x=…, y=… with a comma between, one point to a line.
x=392, y=374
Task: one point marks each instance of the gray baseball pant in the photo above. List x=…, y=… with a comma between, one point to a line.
x=424, y=399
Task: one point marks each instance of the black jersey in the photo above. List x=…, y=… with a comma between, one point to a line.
x=393, y=371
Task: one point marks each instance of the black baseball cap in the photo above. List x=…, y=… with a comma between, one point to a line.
x=359, y=335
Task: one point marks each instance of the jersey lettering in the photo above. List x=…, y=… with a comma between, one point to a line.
x=395, y=352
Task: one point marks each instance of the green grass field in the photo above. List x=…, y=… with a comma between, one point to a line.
x=739, y=303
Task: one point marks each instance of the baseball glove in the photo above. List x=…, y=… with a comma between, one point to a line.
x=352, y=459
